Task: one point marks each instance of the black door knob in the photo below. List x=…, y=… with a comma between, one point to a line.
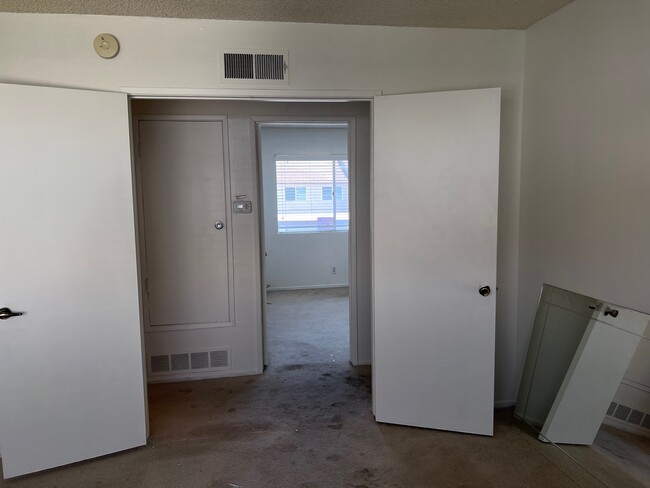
x=6, y=313
x=484, y=290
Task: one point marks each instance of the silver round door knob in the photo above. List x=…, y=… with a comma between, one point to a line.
x=485, y=290
x=218, y=225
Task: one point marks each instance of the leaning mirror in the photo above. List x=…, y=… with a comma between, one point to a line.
x=586, y=384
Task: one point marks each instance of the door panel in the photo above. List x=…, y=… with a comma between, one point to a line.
x=184, y=196
x=435, y=192
x=72, y=385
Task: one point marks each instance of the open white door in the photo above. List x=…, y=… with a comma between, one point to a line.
x=71, y=372
x=435, y=187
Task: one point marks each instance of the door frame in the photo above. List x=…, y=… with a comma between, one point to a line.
x=256, y=123
x=281, y=96
x=140, y=220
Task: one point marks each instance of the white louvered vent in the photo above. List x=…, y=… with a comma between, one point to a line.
x=159, y=364
x=200, y=360
x=219, y=359
x=629, y=415
x=180, y=362
x=188, y=362
x=254, y=66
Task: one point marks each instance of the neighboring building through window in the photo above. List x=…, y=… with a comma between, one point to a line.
x=328, y=195
x=292, y=193
x=312, y=195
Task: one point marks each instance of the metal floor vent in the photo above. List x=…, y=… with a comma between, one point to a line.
x=629, y=415
x=251, y=65
x=189, y=361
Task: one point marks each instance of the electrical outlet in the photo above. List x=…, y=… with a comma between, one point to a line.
x=333, y=269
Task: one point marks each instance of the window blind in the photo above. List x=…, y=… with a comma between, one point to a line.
x=312, y=195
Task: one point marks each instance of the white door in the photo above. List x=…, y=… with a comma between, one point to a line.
x=185, y=198
x=436, y=166
x=71, y=369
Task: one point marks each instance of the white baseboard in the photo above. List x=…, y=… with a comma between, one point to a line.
x=361, y=363
x=627, y=427
x=504, y=403
x=306, y=287
x=173, y=378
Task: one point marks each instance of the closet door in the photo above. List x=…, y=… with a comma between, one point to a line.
x=186, y=222
x=71, y=382
x=436, y=168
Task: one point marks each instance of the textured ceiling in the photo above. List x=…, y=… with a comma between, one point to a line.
x=470, y=14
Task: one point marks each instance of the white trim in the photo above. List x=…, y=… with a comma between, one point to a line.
x=636, y=385
x=504, y=403
x=307, y=287
x=202, y=376
x=276, y=95
x=626, y=426
x=311, y=157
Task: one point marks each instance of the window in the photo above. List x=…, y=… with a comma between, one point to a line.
x=328, y=195
x=292, y=193
x=312, y=195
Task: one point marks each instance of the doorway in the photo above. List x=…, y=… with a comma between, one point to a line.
x=305, y=200
x=213, y=348
x=199, y=191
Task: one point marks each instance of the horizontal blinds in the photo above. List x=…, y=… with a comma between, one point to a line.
x=312, y=195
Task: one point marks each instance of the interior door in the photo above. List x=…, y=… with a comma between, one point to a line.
x=184, y=212
x=435, y=187
x=71, y=381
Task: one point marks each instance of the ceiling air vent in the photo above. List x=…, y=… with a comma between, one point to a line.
x=255, y=66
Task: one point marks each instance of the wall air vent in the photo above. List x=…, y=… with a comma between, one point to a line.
x=629, y=415
x=269, y=67
x=189, y=362
x=254, y=66
x=160, y=364
x=238, y=66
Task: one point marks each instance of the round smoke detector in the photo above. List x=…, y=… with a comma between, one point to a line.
x=106, y=45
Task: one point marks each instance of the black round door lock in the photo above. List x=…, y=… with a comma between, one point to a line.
x=485, y=290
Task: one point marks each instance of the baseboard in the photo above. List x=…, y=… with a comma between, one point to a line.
x=173, y=378
x=627, y=427
x=306, y=287
x=361, y=363
x=504, y=403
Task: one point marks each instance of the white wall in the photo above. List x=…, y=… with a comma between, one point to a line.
x=586, y=158
x=183, y=54
x=300, y=260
